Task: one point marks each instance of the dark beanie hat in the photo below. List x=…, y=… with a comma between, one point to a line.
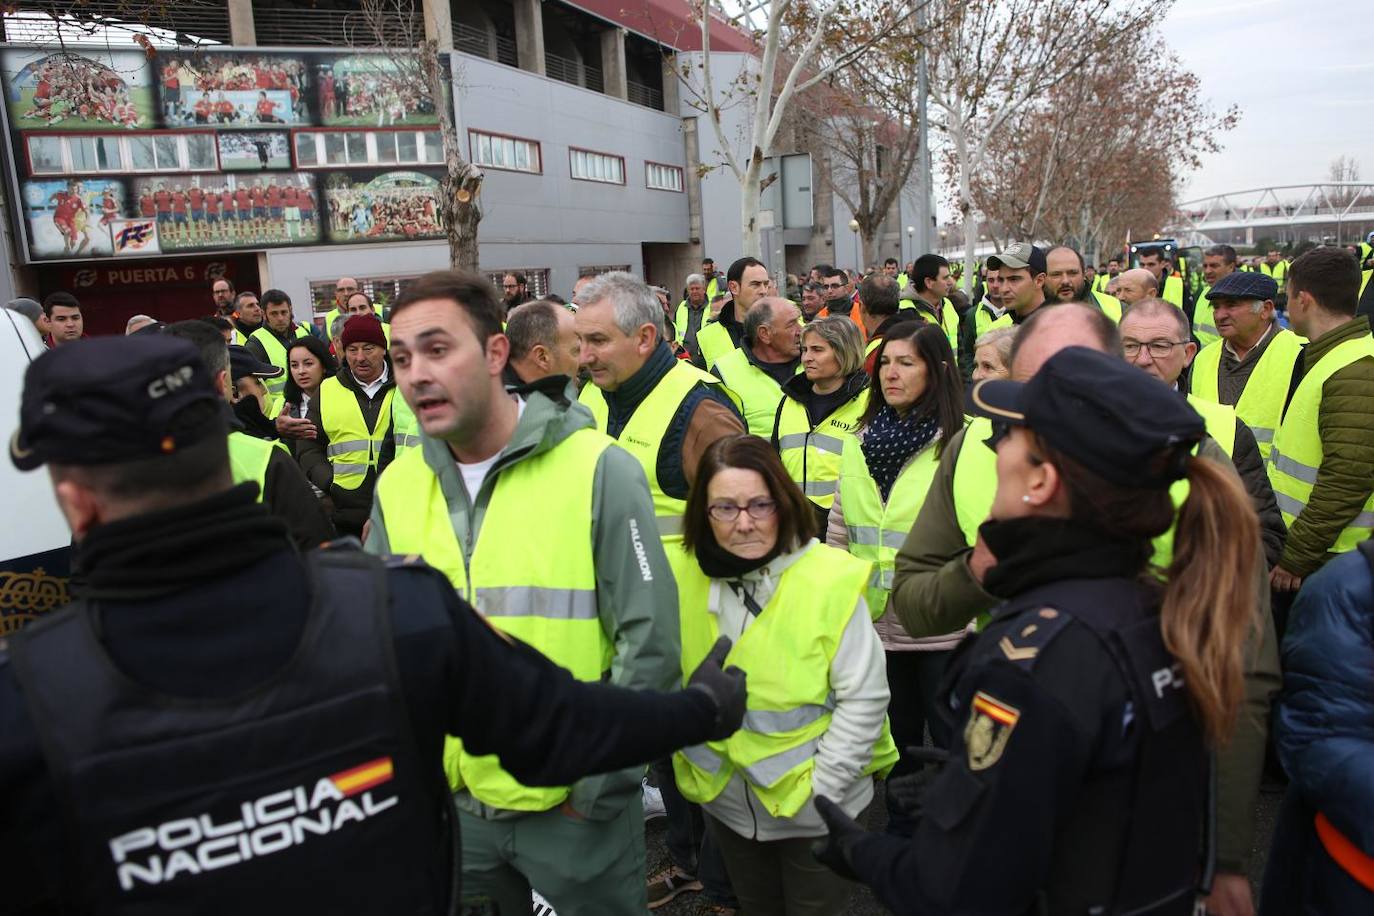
x=363, y=329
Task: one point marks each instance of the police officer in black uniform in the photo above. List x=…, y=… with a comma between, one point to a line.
x=251, y=730
x=1076, y=778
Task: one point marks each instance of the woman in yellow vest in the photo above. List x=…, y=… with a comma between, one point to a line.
x=816, y=717
x=915, y=403
x=820, y=407
x=308, y=364
x=992, y=354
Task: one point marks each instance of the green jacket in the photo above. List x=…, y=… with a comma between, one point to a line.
x=636, y=593
x=1343, y=480
x=933, y=592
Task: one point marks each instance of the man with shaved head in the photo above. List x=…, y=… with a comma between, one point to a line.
x=1135, y=284
x=769, y=355
x=937, y=586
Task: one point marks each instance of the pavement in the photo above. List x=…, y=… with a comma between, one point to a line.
x=862, y=902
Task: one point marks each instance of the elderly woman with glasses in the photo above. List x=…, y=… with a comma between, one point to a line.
x=814, y=726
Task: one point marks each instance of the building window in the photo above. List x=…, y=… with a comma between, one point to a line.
x=495, y=151
x=332, y=148
x=536, y=279
x=590, y=166
x=662, y=177
x=84, y=154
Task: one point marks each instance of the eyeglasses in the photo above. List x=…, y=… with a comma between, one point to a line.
x=1158, y=349
x=832, y=286
x=758, y=509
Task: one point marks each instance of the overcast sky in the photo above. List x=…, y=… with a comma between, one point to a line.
x=1302, y=73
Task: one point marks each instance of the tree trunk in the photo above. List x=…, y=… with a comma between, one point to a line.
x=750, y=195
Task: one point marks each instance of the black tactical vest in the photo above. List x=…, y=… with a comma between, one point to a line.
x=306, y=794
x=1151, y=856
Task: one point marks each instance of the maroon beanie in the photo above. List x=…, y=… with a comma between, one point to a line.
x=363, y=329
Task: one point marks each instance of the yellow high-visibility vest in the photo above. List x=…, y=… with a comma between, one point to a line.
x=1298, y=447
x=811, y=454
x=789, y=705
x=276, y=355
x=1261, y=402
x=758, y=393
x=536, y=582
x=353, y=449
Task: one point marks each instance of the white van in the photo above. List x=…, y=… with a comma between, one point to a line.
x=35, y=543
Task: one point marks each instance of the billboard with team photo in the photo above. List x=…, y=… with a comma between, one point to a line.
x=370, y=206
x=118, y=154
x=66, y=90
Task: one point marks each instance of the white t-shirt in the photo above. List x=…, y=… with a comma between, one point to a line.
x=476, y=472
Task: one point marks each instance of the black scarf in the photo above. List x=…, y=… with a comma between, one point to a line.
x=719, y=563
x=160, y=553
x=889, y=442
x=1034, y=551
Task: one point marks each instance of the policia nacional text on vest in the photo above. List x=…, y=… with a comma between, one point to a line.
x=311, y=774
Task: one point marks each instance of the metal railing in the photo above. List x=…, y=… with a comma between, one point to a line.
x=644, y=95
x=485, y=44
x=190, y=23
x=286, y=26
x=575, y=72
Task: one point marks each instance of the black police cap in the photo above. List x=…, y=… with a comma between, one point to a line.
x=1105, y=414
x=107, y=400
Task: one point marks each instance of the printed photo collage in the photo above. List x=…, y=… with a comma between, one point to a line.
x=118, y=154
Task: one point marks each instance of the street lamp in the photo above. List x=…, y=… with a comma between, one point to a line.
x=910, y=253
x=858, y=257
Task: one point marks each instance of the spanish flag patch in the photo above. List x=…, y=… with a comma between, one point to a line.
x=989, y=727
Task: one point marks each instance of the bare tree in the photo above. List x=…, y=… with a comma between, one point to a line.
x=406, y=59
x=994, y=58
x=822, y=39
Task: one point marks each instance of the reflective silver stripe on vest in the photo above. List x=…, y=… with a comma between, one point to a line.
x=1207, y=329
x=819, y=487
x=880, y=578
x=348, y=467
x=1262, y=433
x=668, y=525
x=769, y=770
x=814, y=440
x=1304, y=472
x=867, y=536
x=703, y=758
x=532, y=601
x=405, y=440
x=1289, y=505
x=773, y=721
x=350, y=445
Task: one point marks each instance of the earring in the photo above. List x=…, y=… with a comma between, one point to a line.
x=1026, y=498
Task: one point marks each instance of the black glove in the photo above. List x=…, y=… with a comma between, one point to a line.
x=726, y=688
x=905, y=792
x=836, y=849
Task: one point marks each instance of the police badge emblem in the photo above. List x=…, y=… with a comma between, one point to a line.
x=989, y=727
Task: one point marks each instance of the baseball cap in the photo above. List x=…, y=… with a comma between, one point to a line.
x=242, y=362
x=1244, y=284
x=106, y=400
x=1018, y=255
x=1102, y=412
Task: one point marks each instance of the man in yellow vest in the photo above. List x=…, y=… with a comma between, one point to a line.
x=768, y=356
x=1324, y=446
x=662, y=410
x=1154, y=338
x=932, y=284
x=747, y=280
x=353, y=418
x=1218, y=262
x=691, y=316
x=247, y=316
x=880, y=308
x=936, y=591
x=1022, y=267
x=282, y=487
x=548, y=528
x=1168, y=285
x=543, y=342
x=1274, y=267
x=1251, y=365
x=1066, y=281
x=713, y=286
x=1107, y=275
x=343, y=288
x=269, y=342
x=1134, y=285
